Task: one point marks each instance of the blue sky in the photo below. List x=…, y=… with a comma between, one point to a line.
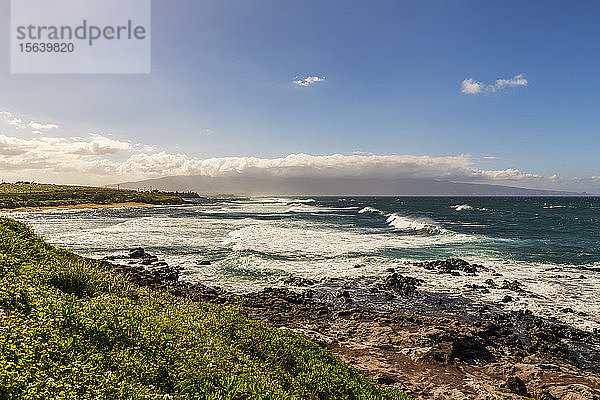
x=223, y=71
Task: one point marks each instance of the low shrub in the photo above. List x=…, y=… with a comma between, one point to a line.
x=70, y=328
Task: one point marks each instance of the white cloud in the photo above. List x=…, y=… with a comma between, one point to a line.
x=309, y=80
x=145, y=148
x=97, y=159
x=17, y=122
x=471, y=86
x=518, y=80
x=101, y=155
x=37, y=126
x=12, y=120
x=57, y=154
x=99, y=145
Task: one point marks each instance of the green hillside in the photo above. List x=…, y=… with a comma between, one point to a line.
x=43, y=195
x=71, y=328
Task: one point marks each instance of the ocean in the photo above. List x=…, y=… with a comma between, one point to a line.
x=550, y=245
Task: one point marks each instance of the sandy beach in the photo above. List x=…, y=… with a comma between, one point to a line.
x=76, y=206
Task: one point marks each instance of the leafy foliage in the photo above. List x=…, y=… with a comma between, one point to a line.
x=40, y=195
x=70, y=328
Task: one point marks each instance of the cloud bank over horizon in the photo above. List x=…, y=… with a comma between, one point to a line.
x=98, y=159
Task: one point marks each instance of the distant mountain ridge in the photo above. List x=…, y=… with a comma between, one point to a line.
x=244, y=185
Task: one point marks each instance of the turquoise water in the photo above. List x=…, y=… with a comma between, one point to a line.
x=551, y=245
x=552, y=230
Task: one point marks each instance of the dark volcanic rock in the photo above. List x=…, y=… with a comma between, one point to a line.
x=450, y=345
x=203, y=262
x=514, y=286
x=149, y=260
x=452, y=266
x=408, y=347
x=507, y=299
x=549, y=338
x=516, y=386
x=298, y=281
x=490, y=282
x=386, y=380
x=405, y=285
x=480, y=288
x=137, y=253
x=475, y=286
x=145, y=269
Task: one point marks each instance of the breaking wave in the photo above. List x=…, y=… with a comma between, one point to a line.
x=371, y=210
x=303, y=208
x=462, y=207
x=404, y=223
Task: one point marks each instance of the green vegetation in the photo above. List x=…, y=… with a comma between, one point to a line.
x=70, y=328
x=41, y=195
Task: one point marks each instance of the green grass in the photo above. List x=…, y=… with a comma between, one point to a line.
x=40, y=195
x=72, y=329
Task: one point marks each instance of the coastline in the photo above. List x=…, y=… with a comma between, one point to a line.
x=77, y=206
x=434, y=347
x=71, y=327
x=444, y=354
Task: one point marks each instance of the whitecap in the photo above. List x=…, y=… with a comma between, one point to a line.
x=271, y=200
x=371, y=210
x=303, y=208
x=316, y=240
x=462, y=207
x=404, y=223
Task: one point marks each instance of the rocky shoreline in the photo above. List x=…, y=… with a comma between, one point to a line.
x=424, y=343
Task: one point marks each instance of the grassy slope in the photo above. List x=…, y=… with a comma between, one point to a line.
x=37, y=195
x=71, y=329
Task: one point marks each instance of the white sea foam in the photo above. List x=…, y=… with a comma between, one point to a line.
x=547, y=289
x=303, y=208
x=316, y=250
x=281, y=200
x=301, y=238
x=370, y=210
x=462, y=207
x=550, y=293
x=471, y=224
x=403, y=223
